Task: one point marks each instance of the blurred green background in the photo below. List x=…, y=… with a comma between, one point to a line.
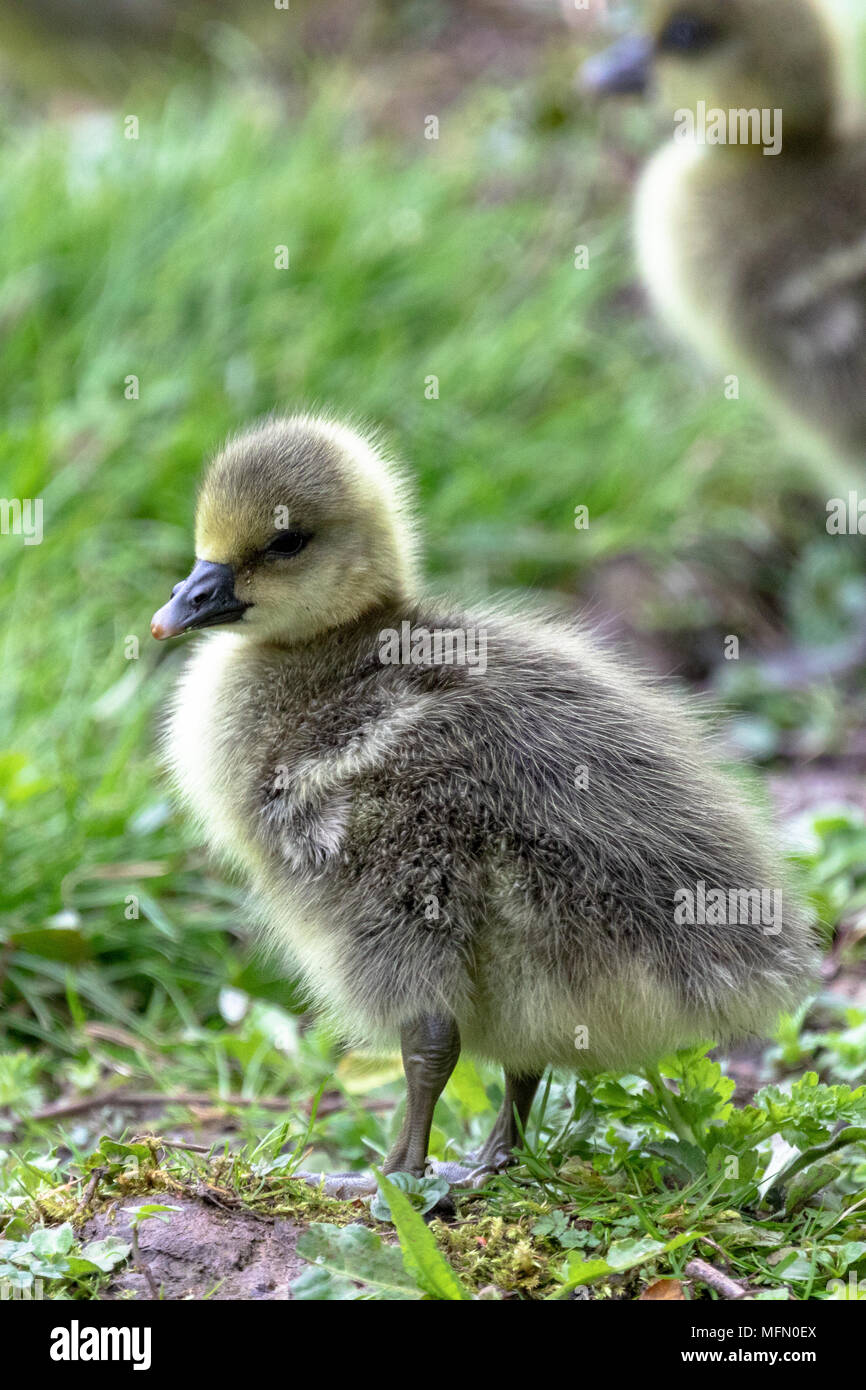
x=154, y=258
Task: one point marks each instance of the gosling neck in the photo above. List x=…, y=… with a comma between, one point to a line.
x=384, y=613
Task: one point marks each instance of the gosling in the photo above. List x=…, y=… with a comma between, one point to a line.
x=753, y=249
x=463, y=830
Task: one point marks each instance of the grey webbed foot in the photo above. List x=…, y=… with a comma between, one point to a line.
x=493, y=1157
x=343, y=1187
x=460, y=1175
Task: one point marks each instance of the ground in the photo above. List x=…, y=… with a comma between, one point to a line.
x=205, y=1252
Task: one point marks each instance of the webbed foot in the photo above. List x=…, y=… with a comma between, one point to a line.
x=343, y=1187
x=347, y=1187
x=461, y=1175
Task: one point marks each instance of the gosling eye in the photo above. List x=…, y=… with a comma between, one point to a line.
x=288, y=543
x=688, y=33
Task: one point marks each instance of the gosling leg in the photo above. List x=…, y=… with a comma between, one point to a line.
x=431, y=1046
x=504, y=1136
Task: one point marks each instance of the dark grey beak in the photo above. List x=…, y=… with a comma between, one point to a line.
x=206, y=597
x=622, y=70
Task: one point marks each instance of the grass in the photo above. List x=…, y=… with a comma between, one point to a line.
x=122, y=955
x=605, y=1196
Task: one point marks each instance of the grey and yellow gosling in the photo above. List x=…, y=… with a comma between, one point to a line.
x=464, y=830
x=757, y=261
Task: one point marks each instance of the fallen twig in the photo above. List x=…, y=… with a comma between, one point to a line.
x=90, y=1190
x=192, y=1148
x=141, y=1264
x=716, y=1280
x=63, y=1110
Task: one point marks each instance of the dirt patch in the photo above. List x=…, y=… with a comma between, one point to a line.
x=204, y=1252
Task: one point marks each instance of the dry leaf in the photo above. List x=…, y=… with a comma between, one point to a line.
x=663, y=1290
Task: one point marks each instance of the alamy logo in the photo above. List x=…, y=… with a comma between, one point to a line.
x=854, y=1289
x=26, y=1293
x=737, y=126
x=720, y=907
x=76, y=1343
x=846, y=516
x=438, y=646
x=22, y=518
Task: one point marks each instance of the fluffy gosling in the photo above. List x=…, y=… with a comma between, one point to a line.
x=757, y=260
x=463, y=830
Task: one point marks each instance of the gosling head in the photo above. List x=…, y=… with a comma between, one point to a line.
x=764, y=55
x=301, y=526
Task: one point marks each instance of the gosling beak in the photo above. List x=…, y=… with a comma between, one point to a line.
x=621, y=70
x=206, y=597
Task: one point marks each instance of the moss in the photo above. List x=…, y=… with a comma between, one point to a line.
x=57, y=1205
x=305, y=1204
x=490, y=1250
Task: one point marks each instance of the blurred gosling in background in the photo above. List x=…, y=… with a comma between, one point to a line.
x=757, y=260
